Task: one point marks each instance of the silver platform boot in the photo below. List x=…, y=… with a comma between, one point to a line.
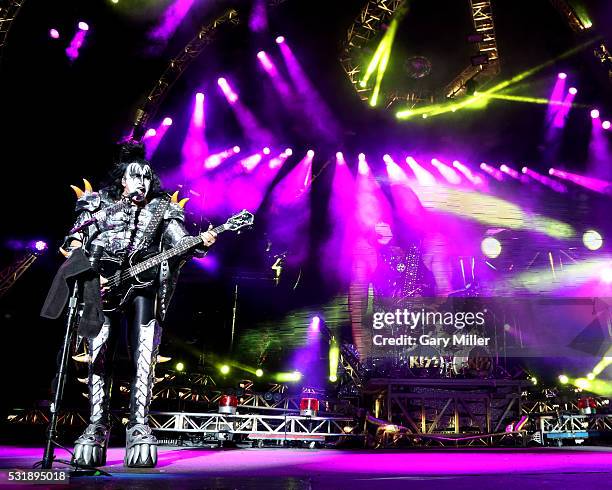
x=90, y=448
x=140, y=443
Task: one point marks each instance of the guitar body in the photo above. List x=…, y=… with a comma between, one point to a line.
x=126, y=286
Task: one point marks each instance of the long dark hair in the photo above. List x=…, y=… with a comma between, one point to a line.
x=131, y=153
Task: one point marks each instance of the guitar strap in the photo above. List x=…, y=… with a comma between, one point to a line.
x=156, y=219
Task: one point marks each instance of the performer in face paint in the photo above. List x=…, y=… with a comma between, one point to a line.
x=150, y=219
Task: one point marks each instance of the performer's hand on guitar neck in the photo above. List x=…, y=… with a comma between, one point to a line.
x=208, y=237
x=103, y=281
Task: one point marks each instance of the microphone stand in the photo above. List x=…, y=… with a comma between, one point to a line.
x=62, y=374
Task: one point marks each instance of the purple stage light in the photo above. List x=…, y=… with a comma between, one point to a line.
x=172, y=17
x=605, y=125
x=249, y=163
x=595, y=113
x=510, y=171
x=54, y=33
x=361, y=156
x=395, y=172
x=562, y=76
x=362, y=167
x=167, y=121
x=524, y=170
x=288, y=152
x=83, y=26
x=339, y=155
x=310, y=153
x=266, y=151
x=150, y=133
x=424, y=177
x=229, y=93
x=493, y=172
x=503, y=168
x=447, y=172
x=573, y=90
x=280, y=39
x=544, y=180
x=236, y=149
x=315, y=323
x=551, y=171
x=387, y=158
x=40, y=245
x=606, y=275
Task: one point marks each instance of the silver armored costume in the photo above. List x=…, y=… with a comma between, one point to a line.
x=123, y=227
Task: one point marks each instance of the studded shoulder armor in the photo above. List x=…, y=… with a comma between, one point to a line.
x=175, y=211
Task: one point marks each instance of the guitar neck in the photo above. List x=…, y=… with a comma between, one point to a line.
x=184, y=246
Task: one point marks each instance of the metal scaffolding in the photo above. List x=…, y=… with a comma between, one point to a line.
x=8, y=14
x=482, y=17
x=176, y=67
x=10, y=275
x=573, y=19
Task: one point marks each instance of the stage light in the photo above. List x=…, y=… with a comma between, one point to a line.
x=167, y=121
x=295, y=376
x=150, y=133
x=259, y=373
x=387, y=158
x=236, y=149
x=534, y=380
x=40, y=245
x=605, y=124
x=261, y=55
x=225, y=369
x=503, y=168
x=334, y=357
x=582, y=383
x=54, y=33
x=266, y=151
x=339, y=155
x=491, y=247
x=562, y=76
x=592, y=240
x=309, y=407
x=524, y=170
x=563, y=379
x=310, y=153
x=315, y=323
x=590, y=376
x=573, y=90
x=606, y=275
x=179, y=366
x=288, y=152
x=199, y=97
x=280, y=39
x=228, y=404
x=83, y=26
x=551, y=171
x=595, y=113
x=115, y=1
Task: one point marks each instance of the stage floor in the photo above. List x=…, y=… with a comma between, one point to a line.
x=297, y=469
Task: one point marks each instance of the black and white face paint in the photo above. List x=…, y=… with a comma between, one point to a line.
x=137, y=178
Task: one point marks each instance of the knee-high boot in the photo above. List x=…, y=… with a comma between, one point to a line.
x=141, y=444
x=90, y=448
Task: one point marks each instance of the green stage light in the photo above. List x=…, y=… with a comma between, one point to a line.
x=259, y=373
x=179, y=366
x=225, y=369
x=563, y=379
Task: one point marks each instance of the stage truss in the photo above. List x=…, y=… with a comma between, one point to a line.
x=8, y=14
x=368, y=25
x=255, y=427
x=10, y=275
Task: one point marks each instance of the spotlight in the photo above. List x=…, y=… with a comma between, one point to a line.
x=339, y=155
x=605, y=124
x=288, y=152
x=551, y=171
x=491, y=247
x=524, y=170
x=266, y=151
x=115, y=1
x=387, y=158
x=563, y=379
x=583, y=384
x=534, y=380
x=562, y=76
x=361, y=156
x=83, y=26
x=310, y=153
x=573, y=90
x=606, y=275
x=228, y=404
x=40, y=246
x=261, y=55
x=200, y=97
x=54, y=33
x=314, y=324
x=503, y=168
x=167, y=121
x=590, y=376
x=179, y=366
x=296, y=376
x=280, y=39
x=236, y=149
x=225, y=369
x=259, y=373
x=592, y=240
x=150, y=132
x=333, y=379
x=595, y=113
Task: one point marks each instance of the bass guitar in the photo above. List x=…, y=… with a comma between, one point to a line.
x=140, y=270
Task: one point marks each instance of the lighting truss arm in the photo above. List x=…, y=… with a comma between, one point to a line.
x=10, y=275
x=176, y=67
x=8, y=14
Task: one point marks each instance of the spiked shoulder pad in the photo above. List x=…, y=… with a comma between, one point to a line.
x=89, y=201
x=175, y=211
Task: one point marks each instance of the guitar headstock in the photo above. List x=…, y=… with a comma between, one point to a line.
x=240, y=220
